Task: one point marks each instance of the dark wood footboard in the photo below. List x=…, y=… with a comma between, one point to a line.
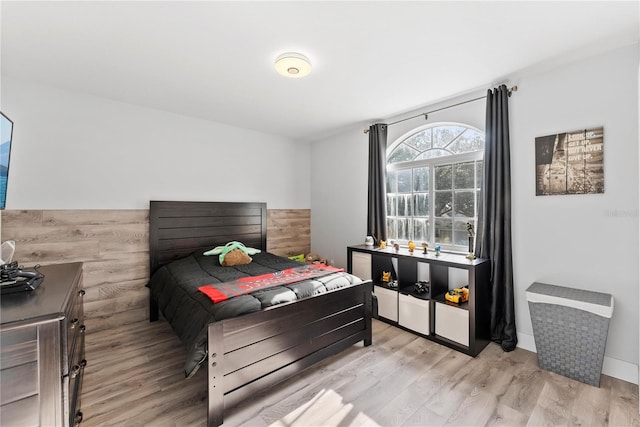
x=250, y=353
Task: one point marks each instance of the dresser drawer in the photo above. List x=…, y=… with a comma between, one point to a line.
x=75, y=413
x=18, y=346
x=18, y=382
x=72, y=383
x=74, y=325
x=23, y=412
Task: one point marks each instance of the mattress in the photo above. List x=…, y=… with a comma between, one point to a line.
x=175, y=288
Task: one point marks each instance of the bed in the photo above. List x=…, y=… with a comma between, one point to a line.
x=260, y=347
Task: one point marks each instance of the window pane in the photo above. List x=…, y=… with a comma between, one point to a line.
x=392, y=204
x=443, y=135
x=430, y=154
x=391, y=182
x=404, y=181
x=470, y=140
x=421, y=179
x=391, y=229
x=420, y=204
x=464, y=202
x=404, y=228
x=420, y=141
x=420, y=230
x=443, y=177
x=443, y=230
x=460, y=233
x=463, y=176
x=479, y=173
x=405, y=205
x=402, y=153
x=443, y=203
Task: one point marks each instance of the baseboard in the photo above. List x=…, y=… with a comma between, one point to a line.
x=613, y=367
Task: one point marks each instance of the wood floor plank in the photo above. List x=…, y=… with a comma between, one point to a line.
x=137, y=379
x=505, y=416
x=623, y=410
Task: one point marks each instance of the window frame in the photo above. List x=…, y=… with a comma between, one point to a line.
x=432, y=163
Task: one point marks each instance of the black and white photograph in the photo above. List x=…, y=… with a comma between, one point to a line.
x=570, y=163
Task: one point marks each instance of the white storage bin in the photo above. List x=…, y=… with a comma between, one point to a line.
x=452, y=323
x=413, y=313
x=387, y=303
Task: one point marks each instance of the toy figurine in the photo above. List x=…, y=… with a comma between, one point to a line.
x=437, y=250
x=383, y=244
x=396, y=247
x=424, y=248
x=471, y=236
x=386, y=276
x=412, y=246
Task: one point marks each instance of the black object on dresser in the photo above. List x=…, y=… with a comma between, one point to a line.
x=464, y=327
x=42, y=356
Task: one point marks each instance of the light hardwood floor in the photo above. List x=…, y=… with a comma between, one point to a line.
x=134, y=377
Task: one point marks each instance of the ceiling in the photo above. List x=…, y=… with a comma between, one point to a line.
x=371, y=59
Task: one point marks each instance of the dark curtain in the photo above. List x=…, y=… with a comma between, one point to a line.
x=494, y=218
x=376, y=204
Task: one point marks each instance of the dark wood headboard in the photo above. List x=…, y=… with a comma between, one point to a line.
x=177, y=229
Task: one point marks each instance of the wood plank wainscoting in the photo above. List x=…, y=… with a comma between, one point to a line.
x=114, y=246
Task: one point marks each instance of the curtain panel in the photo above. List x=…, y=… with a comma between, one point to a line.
x=494, y=218
x=376, y=204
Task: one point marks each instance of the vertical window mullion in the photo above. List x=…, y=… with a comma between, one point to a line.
x=432, y=209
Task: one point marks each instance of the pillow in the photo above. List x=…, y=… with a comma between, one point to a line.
x=236, y=257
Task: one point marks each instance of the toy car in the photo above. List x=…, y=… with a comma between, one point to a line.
x=457, y=295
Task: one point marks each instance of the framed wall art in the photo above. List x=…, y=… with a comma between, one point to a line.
x=570, y=163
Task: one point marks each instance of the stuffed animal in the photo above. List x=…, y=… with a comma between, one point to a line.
x=311, y=258
x=240, y=254
x=236, y=257
x=386, y=276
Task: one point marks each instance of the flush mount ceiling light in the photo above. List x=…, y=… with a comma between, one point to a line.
x=294, y=65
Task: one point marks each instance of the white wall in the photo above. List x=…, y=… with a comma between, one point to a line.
x=76, y=151
x=585, y=241
x=582, y=241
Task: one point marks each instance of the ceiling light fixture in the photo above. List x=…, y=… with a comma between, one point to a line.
x=294, y=65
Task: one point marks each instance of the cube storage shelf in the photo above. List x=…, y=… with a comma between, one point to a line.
x=464, y=327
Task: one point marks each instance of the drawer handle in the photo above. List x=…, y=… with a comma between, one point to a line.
x=78, y=419
x=82, y=329
x=81, y=292
x=75, y=369
x=73, y=323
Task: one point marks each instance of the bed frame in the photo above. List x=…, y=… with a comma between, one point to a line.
x=251, y=353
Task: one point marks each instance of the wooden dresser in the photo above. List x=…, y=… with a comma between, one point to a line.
x=42, y=351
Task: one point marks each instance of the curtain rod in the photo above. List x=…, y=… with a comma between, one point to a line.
x=426, y=115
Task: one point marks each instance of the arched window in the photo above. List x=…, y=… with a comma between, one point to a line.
x=434, y=175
